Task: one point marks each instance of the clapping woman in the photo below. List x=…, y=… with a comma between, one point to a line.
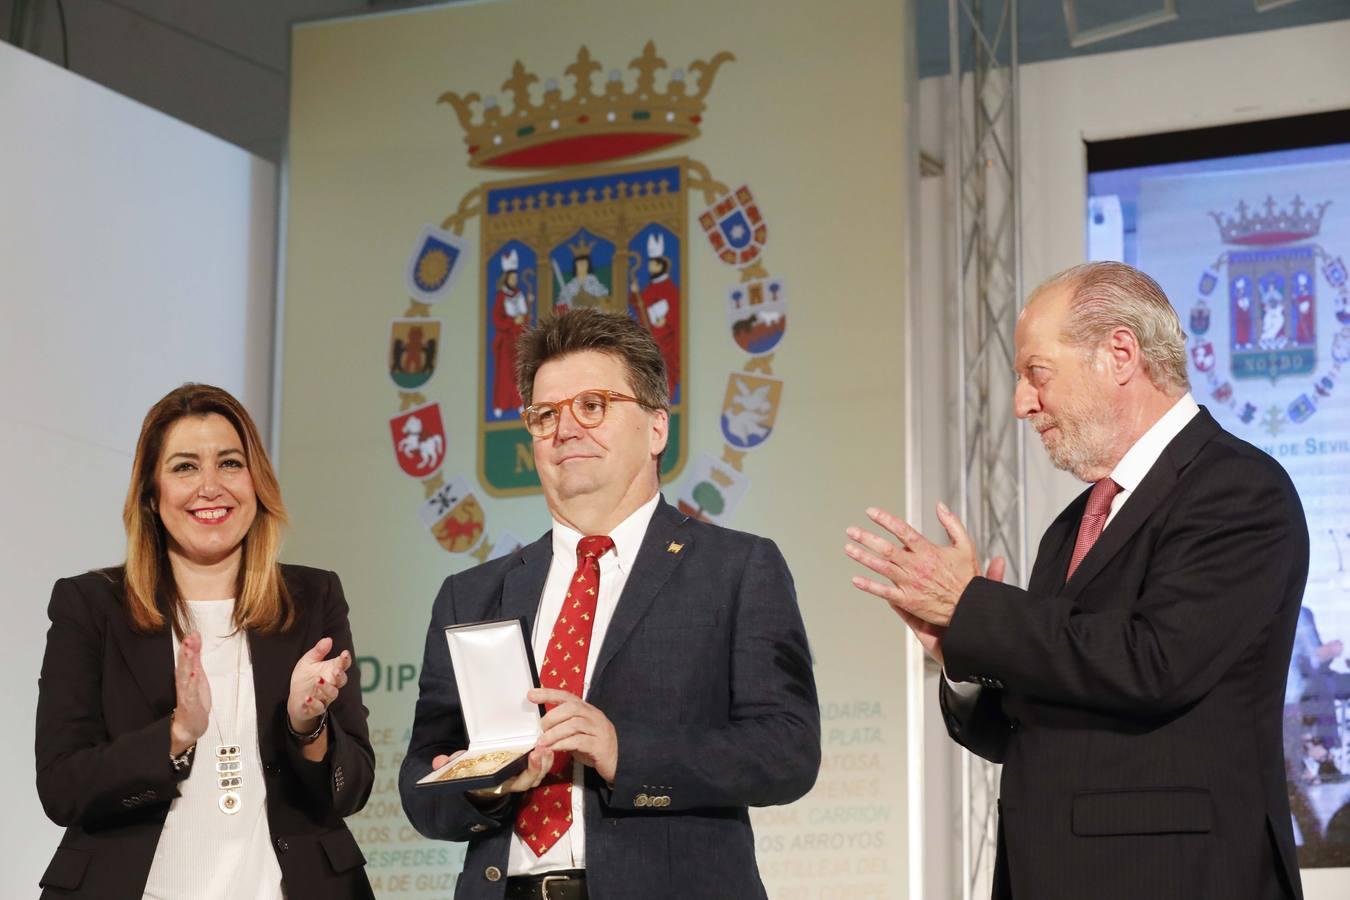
x=197, y=732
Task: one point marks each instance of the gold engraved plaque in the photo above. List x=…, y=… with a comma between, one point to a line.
x=483, y=764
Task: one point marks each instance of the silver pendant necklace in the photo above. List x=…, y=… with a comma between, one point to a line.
x=229, y=762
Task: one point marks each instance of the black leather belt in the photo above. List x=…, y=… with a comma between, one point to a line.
x=564, y=884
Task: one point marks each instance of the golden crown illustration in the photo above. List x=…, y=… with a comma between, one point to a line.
x=589, y=126
x=1277, y=225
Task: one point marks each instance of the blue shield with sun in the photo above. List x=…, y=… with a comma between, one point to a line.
x=434, y=265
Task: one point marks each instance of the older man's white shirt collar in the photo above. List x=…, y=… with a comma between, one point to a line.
x=627, y=535
x=1136, y=462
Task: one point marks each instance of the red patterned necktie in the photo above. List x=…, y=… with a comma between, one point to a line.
x=546, y=811
x=1094, y=520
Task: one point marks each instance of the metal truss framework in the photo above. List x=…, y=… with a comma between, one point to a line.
x=983, y=154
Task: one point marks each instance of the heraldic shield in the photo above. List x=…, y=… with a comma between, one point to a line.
x=419, y=440
x=1272, y=311
x=453, y=516
x=735, y=227
x=613, y=238
x=413, y=345
x=434, y=265
x=757, y=313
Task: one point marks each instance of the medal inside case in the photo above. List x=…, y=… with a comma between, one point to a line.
x=494, y=670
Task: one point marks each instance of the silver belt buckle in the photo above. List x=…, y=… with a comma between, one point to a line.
x=544, y=882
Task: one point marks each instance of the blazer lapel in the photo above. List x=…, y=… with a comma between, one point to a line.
x=150, y=659
x=273, y=658
x=1052, y=559
x=651, y=570
x=1155, y=487
x=524, y=584
x=149, y=656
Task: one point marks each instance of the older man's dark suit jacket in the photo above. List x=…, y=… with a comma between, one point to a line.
x=704, y=672
x=103, y=769
x=1137, y=708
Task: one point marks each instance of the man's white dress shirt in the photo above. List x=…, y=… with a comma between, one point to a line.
x=570, y=850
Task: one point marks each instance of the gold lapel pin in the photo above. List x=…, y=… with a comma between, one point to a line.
x=674, y=547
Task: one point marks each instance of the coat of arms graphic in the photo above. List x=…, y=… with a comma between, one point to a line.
x=582, y=215
x=1272, y=312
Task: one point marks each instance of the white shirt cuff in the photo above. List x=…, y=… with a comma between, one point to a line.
x=963, y=689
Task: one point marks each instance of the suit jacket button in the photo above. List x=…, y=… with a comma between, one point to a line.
x=641, y=800
x=492, y=873
x=478, y=828
x=282, y=845
x=662, y=802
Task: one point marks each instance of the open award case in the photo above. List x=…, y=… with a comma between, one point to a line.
x=494, y=669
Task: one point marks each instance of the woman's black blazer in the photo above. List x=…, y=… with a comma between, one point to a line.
x=103, y=769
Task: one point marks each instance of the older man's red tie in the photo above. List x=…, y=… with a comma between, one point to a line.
x=1094, y=520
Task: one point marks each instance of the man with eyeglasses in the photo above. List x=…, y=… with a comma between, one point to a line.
x=673, y=660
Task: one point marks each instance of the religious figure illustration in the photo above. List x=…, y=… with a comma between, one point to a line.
x=1242, y=314
x=1305, y=327
x=583, y=288
x=1273, y=324
x=510, y=319
x=657, y=306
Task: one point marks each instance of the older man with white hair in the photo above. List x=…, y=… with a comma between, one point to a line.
x=1133, y=691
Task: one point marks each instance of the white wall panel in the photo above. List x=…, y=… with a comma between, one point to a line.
x=136, y=253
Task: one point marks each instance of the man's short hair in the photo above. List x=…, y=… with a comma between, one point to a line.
x=1105, y=296
x=588, y=328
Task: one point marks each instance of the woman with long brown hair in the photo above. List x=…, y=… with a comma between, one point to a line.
x=197, y=733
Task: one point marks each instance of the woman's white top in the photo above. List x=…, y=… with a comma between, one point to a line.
x=204, y=854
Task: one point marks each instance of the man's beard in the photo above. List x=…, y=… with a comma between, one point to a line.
x=1084, y=440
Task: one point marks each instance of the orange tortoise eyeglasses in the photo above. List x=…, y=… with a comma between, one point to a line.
x=588, y=408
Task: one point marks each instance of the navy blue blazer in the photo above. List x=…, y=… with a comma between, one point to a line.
x=706, y=675
x=1137, y=708
x=103, y=769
